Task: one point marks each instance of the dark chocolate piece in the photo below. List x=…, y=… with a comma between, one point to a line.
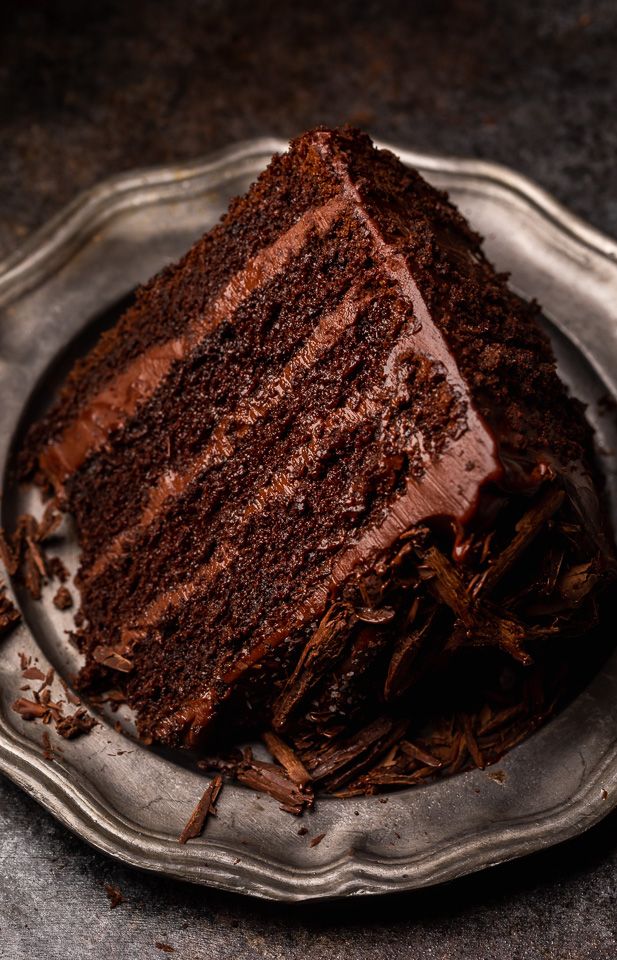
x=206, y=806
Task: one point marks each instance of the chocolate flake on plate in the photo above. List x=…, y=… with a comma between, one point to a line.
x=114, y=895
x=206, y=807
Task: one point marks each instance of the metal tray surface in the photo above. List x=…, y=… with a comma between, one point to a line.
x=66, y=283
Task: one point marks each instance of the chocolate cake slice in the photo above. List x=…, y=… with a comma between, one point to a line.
x=321, y=469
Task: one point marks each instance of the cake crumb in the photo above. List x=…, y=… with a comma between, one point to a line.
x=498, y=776
x=75, y=725
x=63, y=599
x=57, y=569
x=114, y=896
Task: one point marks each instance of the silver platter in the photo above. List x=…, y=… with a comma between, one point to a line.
x=131, y=802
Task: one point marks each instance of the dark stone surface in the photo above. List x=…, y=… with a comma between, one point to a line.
x=90, y=89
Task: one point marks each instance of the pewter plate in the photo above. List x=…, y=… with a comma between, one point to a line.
x=55, y=294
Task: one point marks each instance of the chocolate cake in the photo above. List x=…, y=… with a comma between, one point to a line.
x=327, y=483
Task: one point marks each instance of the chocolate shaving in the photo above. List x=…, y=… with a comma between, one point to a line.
x=165, y=947
x=332, y=759
x=273, y=780
x=294, y=767
x=320, y=654
x=399, y=676
x=115, y=697
x=33, y=673
x=206, y=807
x=526, y=530
x=316, y=840
x=458, y=753
x=113, y=657
x=575, y=584
x=483, y=626
x=30, y=709
x=50, y=521
x=70, y=696
x=9, y=615
x=33, y=580
x=41, y=708
x=472, y=744
x=21, y=551
x=500, y=719
x=380, y=778
x=54, y=710
x=37, y=557
x=365, y=758
x=415, y=752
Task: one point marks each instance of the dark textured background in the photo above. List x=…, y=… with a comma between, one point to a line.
x=92, y=88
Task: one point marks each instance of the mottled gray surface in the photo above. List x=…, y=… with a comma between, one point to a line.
x=560, y=905
x=89, y=89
